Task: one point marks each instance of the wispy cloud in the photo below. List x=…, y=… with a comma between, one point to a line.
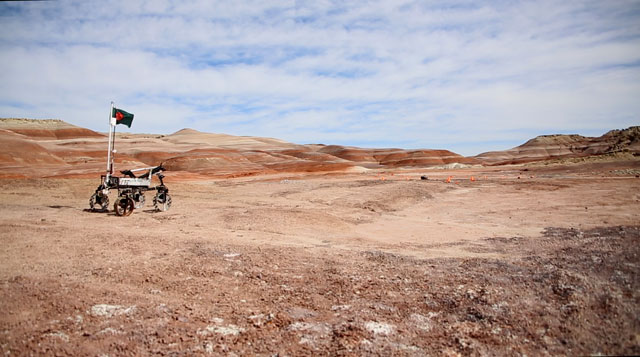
x=465, y=75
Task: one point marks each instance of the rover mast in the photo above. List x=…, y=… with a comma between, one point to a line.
x=112, y=137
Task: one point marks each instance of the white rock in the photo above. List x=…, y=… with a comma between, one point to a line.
x=311, y=332
x=221, y=330
x=423, y=322
x=208, y=347
x=310, y=327
x=379, y=328
x=105, y=310
x=110, y=331
x=63, y=336
x=340, y=307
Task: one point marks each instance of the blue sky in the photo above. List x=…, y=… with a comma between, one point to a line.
x=468, y=76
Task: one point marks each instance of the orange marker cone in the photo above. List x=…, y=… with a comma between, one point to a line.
x=472, y=179
x=448, y=180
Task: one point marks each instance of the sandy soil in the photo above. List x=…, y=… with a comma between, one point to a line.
x=536, y=262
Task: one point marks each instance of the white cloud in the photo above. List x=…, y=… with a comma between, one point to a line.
x=462, y=75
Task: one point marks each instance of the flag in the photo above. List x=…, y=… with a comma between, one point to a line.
x=122, y=117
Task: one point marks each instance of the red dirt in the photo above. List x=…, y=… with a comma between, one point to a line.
x=272, y=248
x=338, y=265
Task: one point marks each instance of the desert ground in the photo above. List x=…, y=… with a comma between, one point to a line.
x=525, y=260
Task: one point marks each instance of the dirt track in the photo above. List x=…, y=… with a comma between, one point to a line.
x=346, y=264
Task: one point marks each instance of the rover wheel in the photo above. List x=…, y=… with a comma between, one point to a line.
x=123, y=206
x=139, y=199
x=162, y=201
x=99, y=202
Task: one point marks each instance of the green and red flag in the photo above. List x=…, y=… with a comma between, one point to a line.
x=122, y=117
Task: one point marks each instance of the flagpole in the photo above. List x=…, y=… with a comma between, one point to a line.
x=113, y=141
x=112, y=128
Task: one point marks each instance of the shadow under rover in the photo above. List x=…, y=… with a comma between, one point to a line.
x=109, y=212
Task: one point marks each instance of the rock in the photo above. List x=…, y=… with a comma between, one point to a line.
x=105, y=310
x=423, y=322
x=379, y=328
x=109, y=331
x=60, y=335
x=229, y=330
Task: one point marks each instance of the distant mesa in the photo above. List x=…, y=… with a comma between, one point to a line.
x=46, y=128
x=37, y=148
x=395, y=157
x=548, y=147
x=186, y=131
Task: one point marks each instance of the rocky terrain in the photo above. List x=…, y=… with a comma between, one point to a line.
x=330, y=265
x=272, y=248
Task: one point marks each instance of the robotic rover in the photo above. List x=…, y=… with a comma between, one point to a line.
x=131, y=191
x=130, y=188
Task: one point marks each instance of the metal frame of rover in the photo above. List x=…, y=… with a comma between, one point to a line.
x=130, y=188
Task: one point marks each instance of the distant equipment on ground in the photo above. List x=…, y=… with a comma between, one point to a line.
x=131, y=188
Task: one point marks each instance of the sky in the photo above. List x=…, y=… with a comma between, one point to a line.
x=467, y=76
